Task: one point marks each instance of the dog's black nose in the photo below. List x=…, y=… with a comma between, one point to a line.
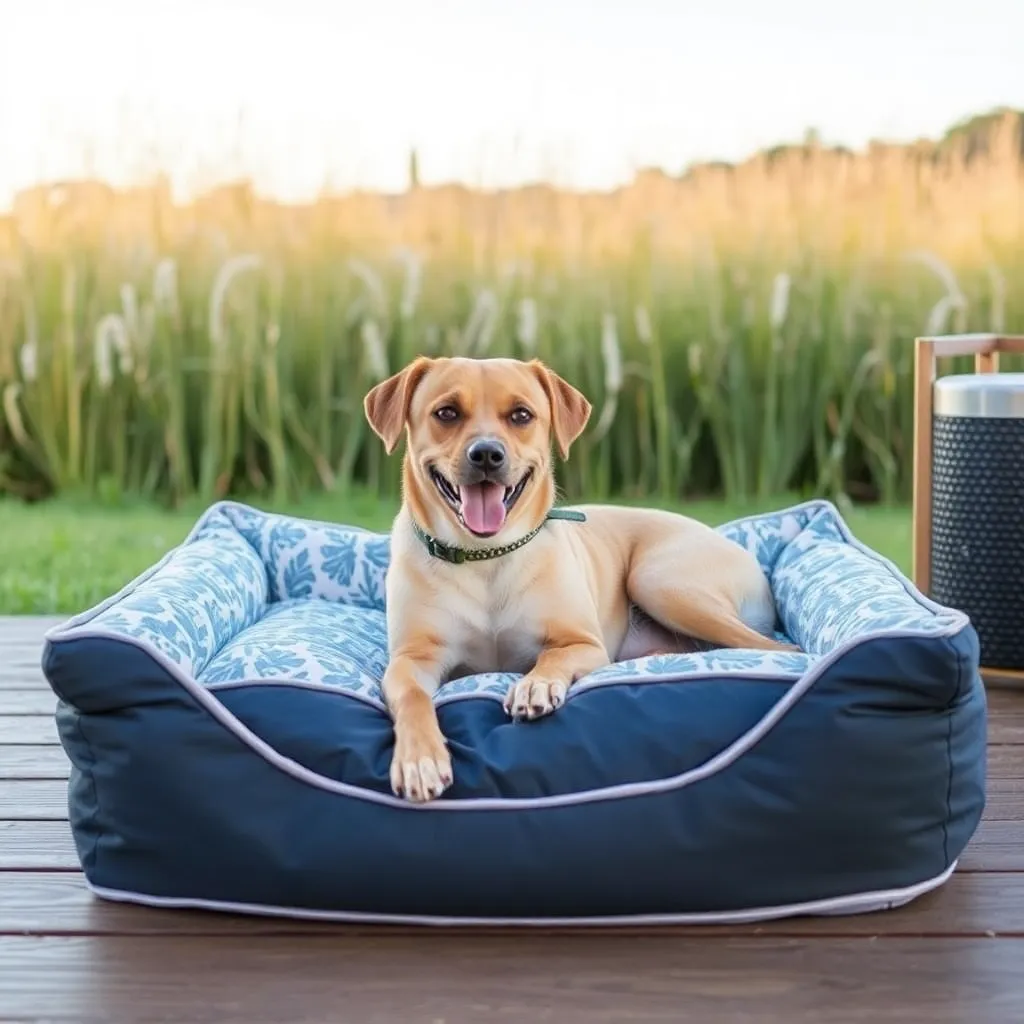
x=486, y=454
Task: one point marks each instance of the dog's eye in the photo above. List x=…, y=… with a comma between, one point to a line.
x=520, y=416
x=447, y=413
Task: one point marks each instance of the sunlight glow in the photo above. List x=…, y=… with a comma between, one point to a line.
x=304, y=94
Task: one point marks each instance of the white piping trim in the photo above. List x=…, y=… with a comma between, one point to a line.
x=199, y=692
x=860, y=903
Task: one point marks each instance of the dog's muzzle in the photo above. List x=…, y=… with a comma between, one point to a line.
x=484, y=493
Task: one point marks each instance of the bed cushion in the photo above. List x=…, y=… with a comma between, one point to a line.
x=230, y=746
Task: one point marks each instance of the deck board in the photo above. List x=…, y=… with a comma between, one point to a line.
x=953, y=955
x=37, y=846
x=35, y=700
x=33, y=762
x=28, y=730
x=565, y=979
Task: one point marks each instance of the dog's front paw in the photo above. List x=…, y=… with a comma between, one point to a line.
x=421, y=767
x=533, y=698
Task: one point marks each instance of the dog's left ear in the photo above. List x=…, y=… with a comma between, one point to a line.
x=387, y=405
x=570, y=410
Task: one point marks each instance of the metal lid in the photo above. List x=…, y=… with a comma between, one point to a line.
x=998, y=395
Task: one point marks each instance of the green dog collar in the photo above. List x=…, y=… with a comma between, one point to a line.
x=456, y=556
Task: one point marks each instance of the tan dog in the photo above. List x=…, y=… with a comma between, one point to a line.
x=481, y=580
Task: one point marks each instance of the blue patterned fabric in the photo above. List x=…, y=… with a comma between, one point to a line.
x=211, y=589
x=253, y=596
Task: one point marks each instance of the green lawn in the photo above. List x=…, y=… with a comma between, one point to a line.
x=63, y=556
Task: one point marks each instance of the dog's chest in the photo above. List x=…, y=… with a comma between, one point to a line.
x=495, y=627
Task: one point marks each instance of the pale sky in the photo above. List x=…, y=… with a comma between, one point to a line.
x=300, y=93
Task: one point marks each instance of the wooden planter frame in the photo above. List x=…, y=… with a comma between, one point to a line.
x=986, y=349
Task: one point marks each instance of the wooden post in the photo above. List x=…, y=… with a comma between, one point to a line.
x=927, y=352
x=986, y=362
x=924, y=378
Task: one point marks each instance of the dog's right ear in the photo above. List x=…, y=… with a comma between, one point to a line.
x=570, y=409
x=387, y=405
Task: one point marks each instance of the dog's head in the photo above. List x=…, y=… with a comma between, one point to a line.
x=479, y=434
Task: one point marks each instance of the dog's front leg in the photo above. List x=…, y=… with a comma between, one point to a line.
x=421, y=767
x=559, y=665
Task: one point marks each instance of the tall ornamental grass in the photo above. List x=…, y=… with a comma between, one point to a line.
x=742, y=331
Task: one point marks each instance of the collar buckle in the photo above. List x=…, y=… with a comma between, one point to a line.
x=438, y=550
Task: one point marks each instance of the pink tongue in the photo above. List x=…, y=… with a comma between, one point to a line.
x=483, y=507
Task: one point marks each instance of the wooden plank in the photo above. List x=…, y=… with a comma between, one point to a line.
x=21, y=673
x=23, y=646
x=25, y=652
x=33, y=800
x=22, y=677
x=996, y=846
x=59, y=903
x=574, y=979
x=28, y=762
x=1005, y=717
x=24, y=629
x=1007, y=729
x=33, y=730
x=16, y=636
x=986, y=362
x=21, y=641
x=1005, y=762
x=1002, y=678
x=949, y=345
x=37, y=846
x=921, y=464
x=1005, y=801
x=28, y=645
x=28, y=626
x=1003, y=698
x=27, y=701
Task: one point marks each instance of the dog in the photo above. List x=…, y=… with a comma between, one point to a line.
x=487, y=576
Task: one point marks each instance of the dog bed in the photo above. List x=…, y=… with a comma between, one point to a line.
x=230, y=747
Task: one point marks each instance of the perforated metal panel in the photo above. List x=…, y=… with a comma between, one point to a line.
x=977, y=549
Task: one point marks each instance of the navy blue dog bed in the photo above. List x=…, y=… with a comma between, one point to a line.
x=230, y=747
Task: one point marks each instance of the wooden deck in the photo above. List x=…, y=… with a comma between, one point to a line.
x=955, y=955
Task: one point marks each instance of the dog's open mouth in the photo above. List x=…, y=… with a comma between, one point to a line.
x=481, y=507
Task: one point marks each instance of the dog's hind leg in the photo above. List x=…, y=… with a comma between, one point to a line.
x=712, y=590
